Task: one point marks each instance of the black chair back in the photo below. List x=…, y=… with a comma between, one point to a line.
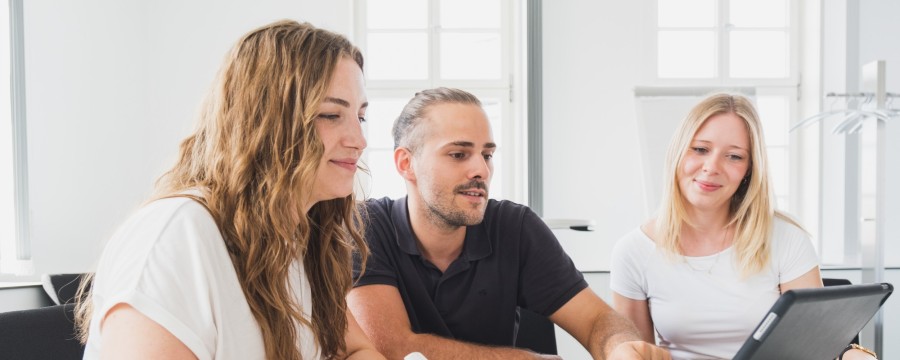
x=835, y=282
x=61, y=287
x=38, y=334
x=535, y=332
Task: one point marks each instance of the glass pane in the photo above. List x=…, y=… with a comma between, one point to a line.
x=778, y=169
x=686, y=54
x=686, y=13
x=470, y=56
x=385, y=179
x=380, y=118
x=383, y=14
x=758, y=13
x=397, y=56
x=456, y=14
x=759, y=54
x=773, y=112
x=494, y=112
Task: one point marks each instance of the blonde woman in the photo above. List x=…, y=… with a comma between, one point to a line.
x=245, y=250
x=703, y=273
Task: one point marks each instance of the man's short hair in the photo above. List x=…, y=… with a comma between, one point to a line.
x=407, y=132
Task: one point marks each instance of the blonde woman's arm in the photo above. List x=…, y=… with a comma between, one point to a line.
x=128, y=334
x=811, y=279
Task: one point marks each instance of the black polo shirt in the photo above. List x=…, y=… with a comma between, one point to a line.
x=510, y=259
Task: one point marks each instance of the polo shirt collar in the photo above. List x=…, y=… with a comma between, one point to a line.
x=476, y=246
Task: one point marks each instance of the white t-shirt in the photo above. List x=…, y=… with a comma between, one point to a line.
x=169, y=262
x=700, y=307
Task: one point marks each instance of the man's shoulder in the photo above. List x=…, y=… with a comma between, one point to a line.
x=385, y=220
x=506, y=206
x=381, y=203
x=381, y=208
x=505, y=210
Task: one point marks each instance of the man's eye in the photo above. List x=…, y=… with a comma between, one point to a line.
x=457, y=155
x=488, y=156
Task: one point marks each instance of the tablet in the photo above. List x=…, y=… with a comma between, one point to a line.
x=814, y=324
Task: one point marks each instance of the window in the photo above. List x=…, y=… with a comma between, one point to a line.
x=14, y=249
x=735, y=43
x=431, y=43
x=725, y=41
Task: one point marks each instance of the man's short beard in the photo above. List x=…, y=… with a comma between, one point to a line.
x=451, y=218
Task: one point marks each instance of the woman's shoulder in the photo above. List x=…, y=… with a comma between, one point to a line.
x=165, y=234
x=172, y=210
x=648, y=229
x=788, y=235
x=632, y=252
x=785, y=226
x=173, y=221
x=639, y=238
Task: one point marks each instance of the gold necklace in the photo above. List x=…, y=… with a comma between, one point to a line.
x=708, y=271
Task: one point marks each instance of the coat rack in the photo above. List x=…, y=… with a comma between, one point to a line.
x=872, y=262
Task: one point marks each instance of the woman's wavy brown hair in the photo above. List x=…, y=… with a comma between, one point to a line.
x=254, y=157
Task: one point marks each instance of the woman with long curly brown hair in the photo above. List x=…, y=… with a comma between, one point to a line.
x=245, y=250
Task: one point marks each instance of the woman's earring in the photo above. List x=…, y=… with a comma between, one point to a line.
x=746, y=179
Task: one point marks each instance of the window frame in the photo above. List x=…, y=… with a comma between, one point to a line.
x=434, y=31
x=793, y=147
x=650, y=42
x=505, y=89
x=20, y=262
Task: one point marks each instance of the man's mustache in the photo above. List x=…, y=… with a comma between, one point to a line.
x=472, y=184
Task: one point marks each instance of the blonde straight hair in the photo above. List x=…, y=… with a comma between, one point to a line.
x=254, y=157
x=751, y=211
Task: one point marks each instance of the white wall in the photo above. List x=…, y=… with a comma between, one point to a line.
x=877, y=20
x=592, y=58
x=112, y=87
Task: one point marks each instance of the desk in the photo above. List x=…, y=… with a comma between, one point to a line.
x=22, y=296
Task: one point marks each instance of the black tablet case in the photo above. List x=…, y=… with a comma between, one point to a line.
x=814, y=324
